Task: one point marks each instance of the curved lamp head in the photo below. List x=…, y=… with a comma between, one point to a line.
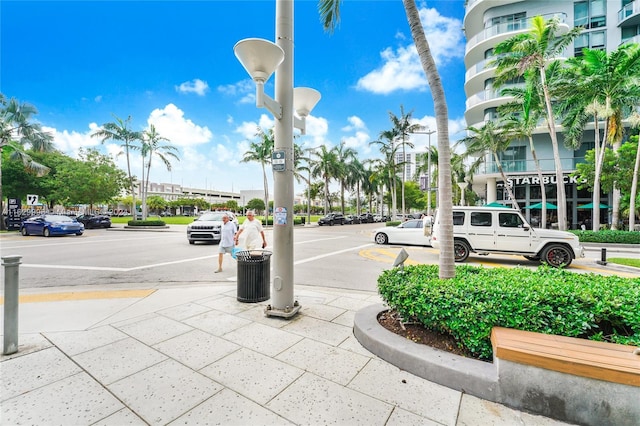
x=259, y=57
x=304, y=100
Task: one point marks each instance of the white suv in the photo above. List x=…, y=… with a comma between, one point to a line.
x=207, y=226
x=485, y=230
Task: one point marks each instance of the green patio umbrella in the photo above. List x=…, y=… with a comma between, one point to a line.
x=590, y=206
x=497, y=204
x=539, y=206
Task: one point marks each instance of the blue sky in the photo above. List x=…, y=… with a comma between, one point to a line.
x=171, y=63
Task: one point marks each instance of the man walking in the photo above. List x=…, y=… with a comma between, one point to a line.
x=255, y=232
x=227, y=241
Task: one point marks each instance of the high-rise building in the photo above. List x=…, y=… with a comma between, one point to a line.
x=607, y=24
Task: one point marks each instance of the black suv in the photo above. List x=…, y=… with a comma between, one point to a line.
x=332, y=219
x=366, y=218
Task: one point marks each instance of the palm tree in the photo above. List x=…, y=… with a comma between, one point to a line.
x=356, y=177
x=151, y=146
x=605, y=85
x=327, y=167
x=330, y=16
x=260, y=152
x=522, y=118
x=345, y=156
x=404, y=128
x=17, y=131
x=490, y=139
x=121, y=132
x=389, y=149
x=533, y=51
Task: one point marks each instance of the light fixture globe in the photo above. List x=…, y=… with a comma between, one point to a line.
x=304, y=100
x=259, y=57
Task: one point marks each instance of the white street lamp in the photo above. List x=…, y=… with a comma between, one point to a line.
x=261, y=58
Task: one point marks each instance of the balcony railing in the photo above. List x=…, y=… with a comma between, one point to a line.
x=507, y=27
x=529, y=166
x=628, y=10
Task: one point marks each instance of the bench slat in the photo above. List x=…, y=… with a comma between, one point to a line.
x=598, y=360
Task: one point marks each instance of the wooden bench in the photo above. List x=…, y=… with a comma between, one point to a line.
x=597, y=360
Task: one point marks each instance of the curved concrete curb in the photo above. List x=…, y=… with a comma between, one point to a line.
x=471, y=376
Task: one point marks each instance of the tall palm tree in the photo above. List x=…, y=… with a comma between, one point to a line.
x=345, y=156
x=120, y=131
x=327, y=167
x=404, y=128
x=534, y=50
x=356, y=178
x=389, y=149
x=152, y=146
x=522, y=117
x=16, y=132
x=260, y=152
x=493, y=139
x=606, y=85
x=330, y=16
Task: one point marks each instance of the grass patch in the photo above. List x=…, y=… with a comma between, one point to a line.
x=625, y=261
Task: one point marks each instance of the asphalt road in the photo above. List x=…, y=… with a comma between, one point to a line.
x=340, y=256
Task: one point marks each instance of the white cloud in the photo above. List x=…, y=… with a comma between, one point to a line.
x=71, y=142
x=98, y=98
x=171, y=124
x=355, y=123
x=401, y=68
x=196, y=86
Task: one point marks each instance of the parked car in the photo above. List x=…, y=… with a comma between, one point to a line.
x=351, y=219
x=51, y=224
x=486, y=230
x=332, y=219
x=207, y=226
x=380, y=218
x=366, y=218
x=408, y=232
x=94, y=221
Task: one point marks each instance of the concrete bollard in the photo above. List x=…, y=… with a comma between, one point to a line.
x=11, y=266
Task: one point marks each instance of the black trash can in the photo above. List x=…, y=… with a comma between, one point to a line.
x=254, y=276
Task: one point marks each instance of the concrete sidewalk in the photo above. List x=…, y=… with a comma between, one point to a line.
x=195, y=355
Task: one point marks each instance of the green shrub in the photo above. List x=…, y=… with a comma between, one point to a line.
x=608, y=236
x=148, y=222
x=547, y=300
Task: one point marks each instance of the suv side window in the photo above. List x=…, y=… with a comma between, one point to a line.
x=480, y=218
x=458, y=218
x=510, y=220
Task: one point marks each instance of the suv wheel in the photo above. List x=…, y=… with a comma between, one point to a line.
x=461, y=251
x=331, y=223
x=556, y=255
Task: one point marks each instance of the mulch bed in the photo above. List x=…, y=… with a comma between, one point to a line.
x=420, y=334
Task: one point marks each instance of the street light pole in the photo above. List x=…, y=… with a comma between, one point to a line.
x=261, y=58
x=282, y=298
x=428, y=132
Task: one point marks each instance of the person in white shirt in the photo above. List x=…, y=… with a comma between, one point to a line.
x=227, y=240
x=254, y=237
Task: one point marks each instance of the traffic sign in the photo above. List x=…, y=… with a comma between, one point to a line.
x=278, y=161
x=32, y=200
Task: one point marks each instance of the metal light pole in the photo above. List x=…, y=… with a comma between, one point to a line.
x=428, y=132
x=260, y=58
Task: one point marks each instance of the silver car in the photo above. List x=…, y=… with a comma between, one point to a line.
x=207, y=227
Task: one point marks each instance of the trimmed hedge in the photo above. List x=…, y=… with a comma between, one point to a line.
x=148, y=222
x=608, y=236
x=547, y=300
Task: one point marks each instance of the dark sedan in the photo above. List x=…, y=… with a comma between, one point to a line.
x=94, y=221
x=51, y=224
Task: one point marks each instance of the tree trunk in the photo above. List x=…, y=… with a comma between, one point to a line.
x=543, y=192
x=560, y=192
x=445, y=196
x=634, y=190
